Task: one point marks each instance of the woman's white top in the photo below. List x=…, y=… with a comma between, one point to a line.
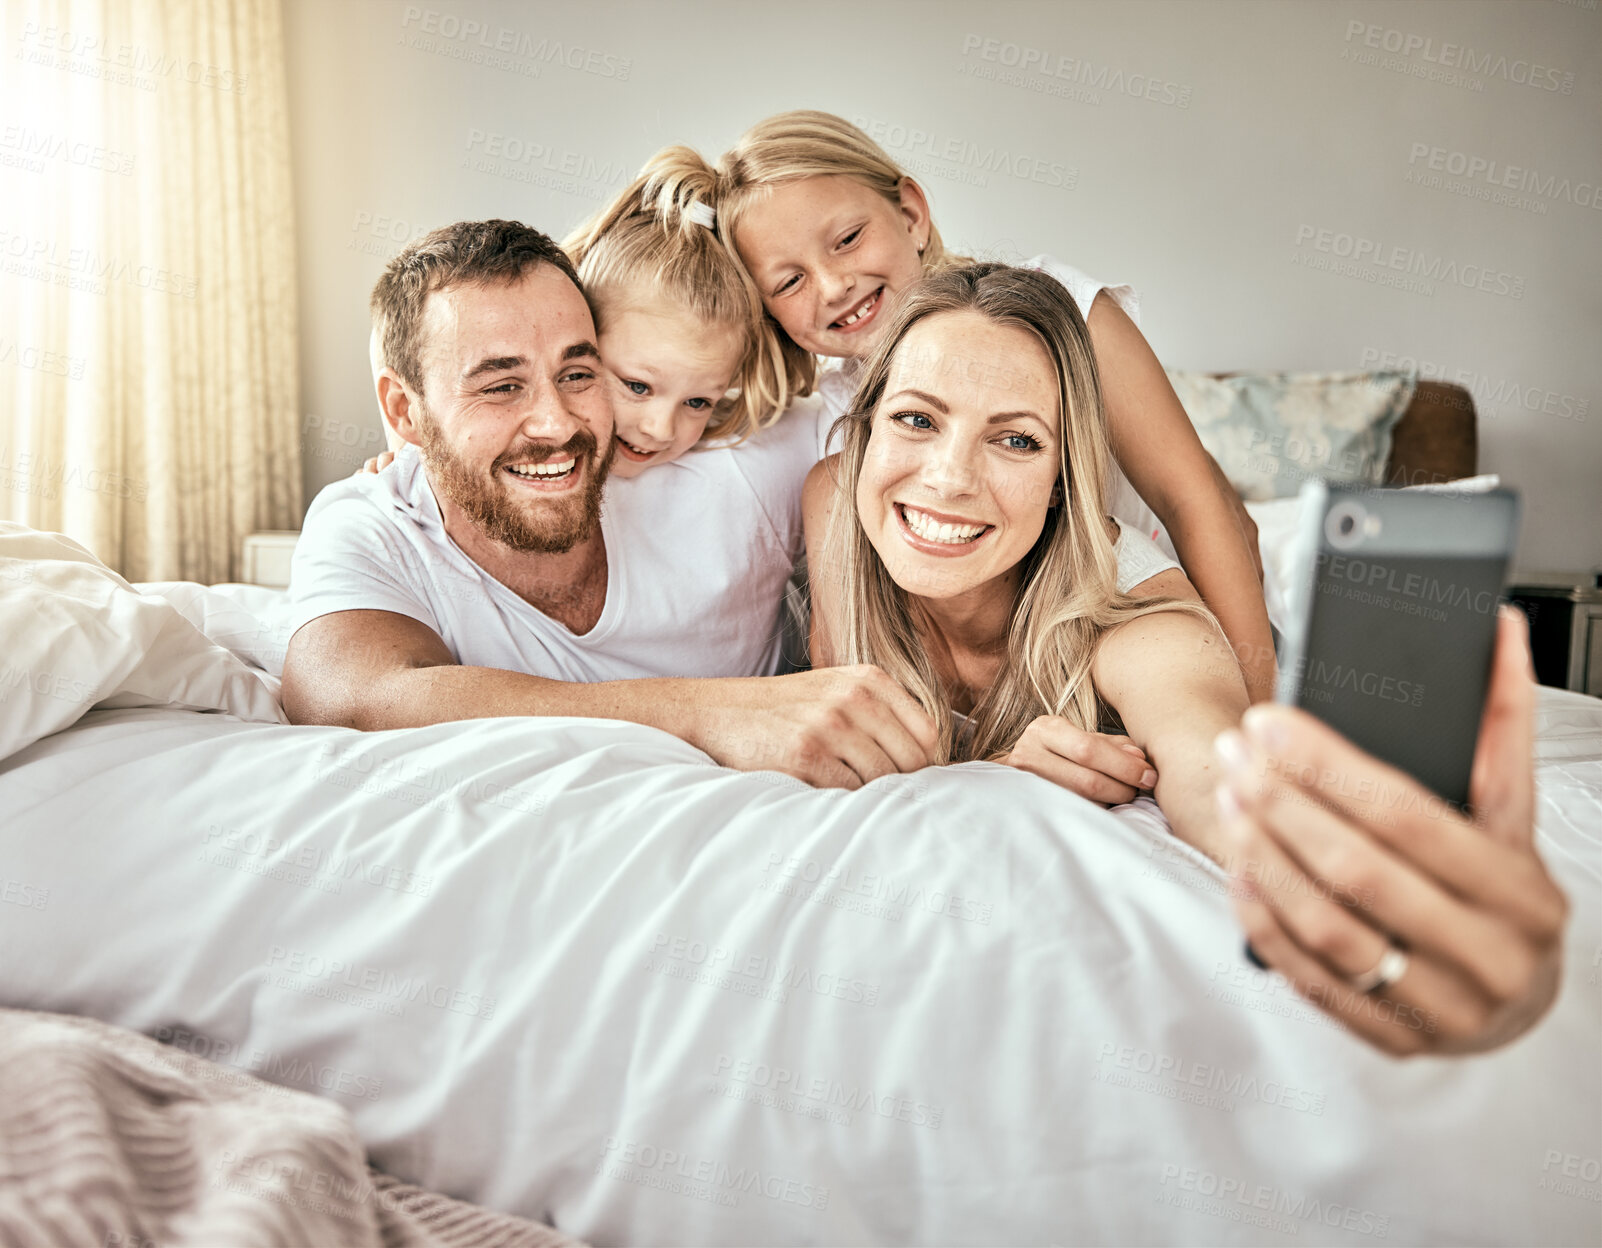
x=1139, y=558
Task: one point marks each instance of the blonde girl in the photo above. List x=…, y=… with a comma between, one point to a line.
x=832, y=231
x=681, y=327
x=693, y=356
x=959, y=540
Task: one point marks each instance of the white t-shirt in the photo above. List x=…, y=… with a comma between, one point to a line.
x=698, y=552
x=838, y=382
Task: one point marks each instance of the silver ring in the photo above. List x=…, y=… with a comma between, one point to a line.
x=1392, y=966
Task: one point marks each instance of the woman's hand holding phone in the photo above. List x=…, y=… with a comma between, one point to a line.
x=1350, y=872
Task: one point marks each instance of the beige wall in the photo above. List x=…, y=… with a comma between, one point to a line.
x=1220, y=156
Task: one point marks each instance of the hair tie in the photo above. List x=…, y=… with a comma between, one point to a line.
x=701, y=213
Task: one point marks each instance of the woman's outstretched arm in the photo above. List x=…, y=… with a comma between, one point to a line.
x=1175, y=684
x=1344, y=865
x=1157, y=447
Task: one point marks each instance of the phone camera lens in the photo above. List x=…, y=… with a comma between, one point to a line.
x=1345, y=524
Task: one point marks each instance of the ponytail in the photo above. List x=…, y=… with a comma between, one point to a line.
x=659, y=234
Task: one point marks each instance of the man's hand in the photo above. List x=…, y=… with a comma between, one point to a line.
x=1341, y=859
x=1096, y=765
x=837, y=727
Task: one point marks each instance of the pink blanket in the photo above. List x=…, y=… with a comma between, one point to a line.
x=111, y=1140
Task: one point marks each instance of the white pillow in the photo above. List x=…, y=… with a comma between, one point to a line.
x=78, y=636
x=252, y=621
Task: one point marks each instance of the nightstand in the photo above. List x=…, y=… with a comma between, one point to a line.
x=266, y=557
x=1565, y=611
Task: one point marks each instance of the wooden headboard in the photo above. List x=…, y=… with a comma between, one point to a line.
x=1435, y=440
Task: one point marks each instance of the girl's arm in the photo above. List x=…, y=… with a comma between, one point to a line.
x=818, y=498
x=1157, y=447
x=1173, y=682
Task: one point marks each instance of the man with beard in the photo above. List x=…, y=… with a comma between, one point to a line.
x=479, y=576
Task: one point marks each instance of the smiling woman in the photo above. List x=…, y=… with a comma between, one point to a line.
x=960, y=541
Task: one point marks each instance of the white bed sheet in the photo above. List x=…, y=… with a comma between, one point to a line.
x=556, y=966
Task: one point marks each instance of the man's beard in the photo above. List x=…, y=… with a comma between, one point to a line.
x=532, y=525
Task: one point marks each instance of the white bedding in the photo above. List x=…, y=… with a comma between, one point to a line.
x=555, y=966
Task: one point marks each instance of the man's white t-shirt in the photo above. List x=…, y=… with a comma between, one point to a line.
x=698, y=552
x=838, y=383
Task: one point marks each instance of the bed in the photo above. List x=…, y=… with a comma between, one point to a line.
x=570, y=969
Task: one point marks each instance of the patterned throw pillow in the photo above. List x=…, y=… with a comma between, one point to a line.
x=1272, y=431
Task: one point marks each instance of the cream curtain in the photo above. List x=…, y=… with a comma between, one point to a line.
x=148, y=372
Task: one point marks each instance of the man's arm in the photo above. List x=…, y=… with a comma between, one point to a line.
x=379, y=669
x=1158, y=450
x=1176, y=686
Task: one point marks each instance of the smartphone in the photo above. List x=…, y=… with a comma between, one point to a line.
x=1393, y=621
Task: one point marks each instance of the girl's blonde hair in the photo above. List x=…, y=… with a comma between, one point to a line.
x=649, y=237
x=807, y=143
x=1068, y=596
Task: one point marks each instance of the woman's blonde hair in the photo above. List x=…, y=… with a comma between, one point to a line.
x=649, y=237
x=1068, y=594
x=807, y=143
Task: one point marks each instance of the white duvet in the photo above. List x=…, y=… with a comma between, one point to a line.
x=571, y=969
